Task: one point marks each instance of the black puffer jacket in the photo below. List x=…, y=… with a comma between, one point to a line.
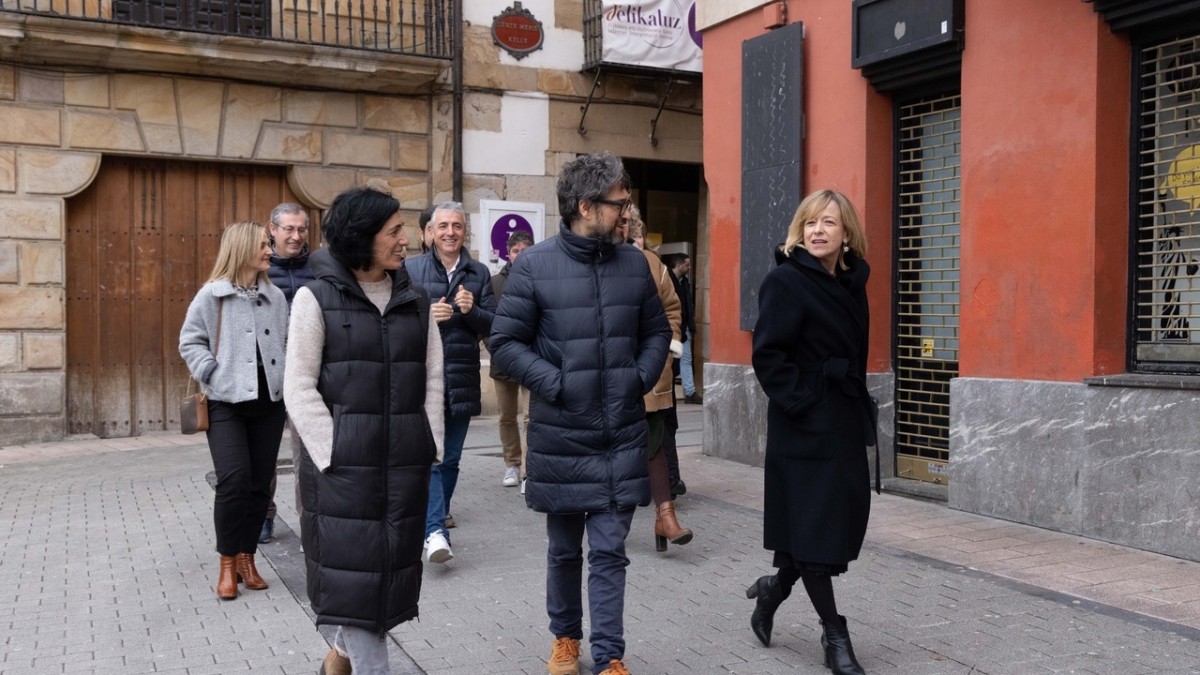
x=289, y=274
x=581, y=326
x=461, y=333
x=364, y=519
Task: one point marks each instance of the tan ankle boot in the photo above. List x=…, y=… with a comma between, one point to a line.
x=666, y=527
x=227, y=581
x=335, y=664
x=248, y=573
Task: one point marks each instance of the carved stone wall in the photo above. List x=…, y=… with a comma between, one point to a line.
x=55, y=128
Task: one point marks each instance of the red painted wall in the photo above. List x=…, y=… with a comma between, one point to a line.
x=1044, y=192
x=848, y=148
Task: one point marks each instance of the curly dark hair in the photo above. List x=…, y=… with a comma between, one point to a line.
x=588, y=178
x=351, y=223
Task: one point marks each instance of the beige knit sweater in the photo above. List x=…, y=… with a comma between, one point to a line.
x=309, y=415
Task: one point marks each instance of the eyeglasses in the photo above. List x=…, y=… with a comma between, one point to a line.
x=623, y=205
x=289, y=230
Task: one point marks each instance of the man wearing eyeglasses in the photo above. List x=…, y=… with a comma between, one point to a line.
x=581, y=325
x=288, y=235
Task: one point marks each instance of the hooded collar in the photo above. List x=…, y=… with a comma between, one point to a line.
x=584, y=249
x=325, y=266
x=853, y=279
x=290, y=263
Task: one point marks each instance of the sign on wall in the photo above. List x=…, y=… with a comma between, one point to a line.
x=498, y=219
x=652, y=34
x=517, y=31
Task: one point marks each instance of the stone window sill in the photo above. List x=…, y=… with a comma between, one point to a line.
x=1145, y=381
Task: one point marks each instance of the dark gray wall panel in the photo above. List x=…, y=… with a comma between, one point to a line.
x=772, y=146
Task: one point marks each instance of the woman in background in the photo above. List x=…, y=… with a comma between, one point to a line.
x=661, y=399
x=233, y=341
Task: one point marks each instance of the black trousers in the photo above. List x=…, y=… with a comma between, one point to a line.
x=243, y=439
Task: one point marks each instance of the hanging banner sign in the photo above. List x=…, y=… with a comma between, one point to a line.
x=652, y=34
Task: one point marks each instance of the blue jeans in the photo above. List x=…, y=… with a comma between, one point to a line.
x=686, y=376
x=606, y=532
x=444, y=477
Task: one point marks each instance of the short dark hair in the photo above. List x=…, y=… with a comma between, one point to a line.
x=589, y=177
x=518, y=237
x=351, y=223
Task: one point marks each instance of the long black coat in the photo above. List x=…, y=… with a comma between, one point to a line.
x=364, y=518
x=461, y=333
x=810, y=348
x=582, y=327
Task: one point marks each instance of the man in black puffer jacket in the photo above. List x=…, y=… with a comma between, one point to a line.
x=581, y=325
x=463, y=305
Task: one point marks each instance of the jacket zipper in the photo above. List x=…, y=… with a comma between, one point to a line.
x=385, y=577
x=612, y=488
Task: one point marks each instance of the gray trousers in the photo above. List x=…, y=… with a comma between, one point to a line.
x=367, y=650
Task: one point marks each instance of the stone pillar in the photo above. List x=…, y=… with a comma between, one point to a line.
x=34, y=184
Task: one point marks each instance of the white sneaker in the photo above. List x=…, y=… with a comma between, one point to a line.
x=523, y=485
x=512, y=476
x=437, y=549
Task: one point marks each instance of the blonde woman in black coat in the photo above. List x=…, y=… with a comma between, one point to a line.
x=810, y=349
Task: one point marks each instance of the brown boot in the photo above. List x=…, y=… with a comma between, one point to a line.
x=335, y=664
x=667, y=528
x=227, y=582
x=615, y=667
x=248, y=573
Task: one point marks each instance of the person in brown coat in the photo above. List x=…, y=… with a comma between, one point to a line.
x=661, y=399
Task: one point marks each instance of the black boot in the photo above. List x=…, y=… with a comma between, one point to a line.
x=770, y=594
x=839, y=653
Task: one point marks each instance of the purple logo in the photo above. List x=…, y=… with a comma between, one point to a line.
x=696, y=36
x=505, y=225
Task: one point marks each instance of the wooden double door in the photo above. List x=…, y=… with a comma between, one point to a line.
x=140, y=242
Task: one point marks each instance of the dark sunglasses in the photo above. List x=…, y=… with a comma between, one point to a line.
x=623, y=205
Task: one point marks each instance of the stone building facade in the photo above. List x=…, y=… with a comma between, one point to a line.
x=322, y=117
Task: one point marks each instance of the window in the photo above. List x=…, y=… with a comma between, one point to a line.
x=1166, y=264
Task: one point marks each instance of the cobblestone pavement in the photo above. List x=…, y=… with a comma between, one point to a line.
x=106, y=566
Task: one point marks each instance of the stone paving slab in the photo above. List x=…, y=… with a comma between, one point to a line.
x=106, y=566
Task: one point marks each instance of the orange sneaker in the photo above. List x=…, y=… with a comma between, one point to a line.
x=615, y=667
x=564, y=657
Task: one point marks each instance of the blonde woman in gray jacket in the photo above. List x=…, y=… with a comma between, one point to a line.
x=234, y=340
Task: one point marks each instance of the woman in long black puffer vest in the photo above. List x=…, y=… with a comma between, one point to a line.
x=810, y=349
x=363, y=384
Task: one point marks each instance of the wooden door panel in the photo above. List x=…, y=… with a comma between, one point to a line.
x=140, y=242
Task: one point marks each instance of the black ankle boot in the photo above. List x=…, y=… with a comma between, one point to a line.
x=839, y=653
x=770, y=594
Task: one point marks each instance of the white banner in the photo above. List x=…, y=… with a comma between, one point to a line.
x=652, y=34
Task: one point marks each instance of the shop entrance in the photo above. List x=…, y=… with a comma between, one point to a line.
x=927, y=277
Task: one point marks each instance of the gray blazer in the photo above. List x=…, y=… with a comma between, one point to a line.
x=248, y=324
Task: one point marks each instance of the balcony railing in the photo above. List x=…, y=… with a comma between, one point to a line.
x=414, y=27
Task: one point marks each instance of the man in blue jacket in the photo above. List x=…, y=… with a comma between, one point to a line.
x=582, y=327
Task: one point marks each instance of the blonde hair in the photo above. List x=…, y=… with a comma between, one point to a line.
x=636, y=224
x=240, y=243
x=812, y=206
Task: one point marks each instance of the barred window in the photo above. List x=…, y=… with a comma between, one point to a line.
x=1167, y=258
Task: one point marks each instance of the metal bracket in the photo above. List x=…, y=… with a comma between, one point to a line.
x=584, y=108
x=661, y=105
